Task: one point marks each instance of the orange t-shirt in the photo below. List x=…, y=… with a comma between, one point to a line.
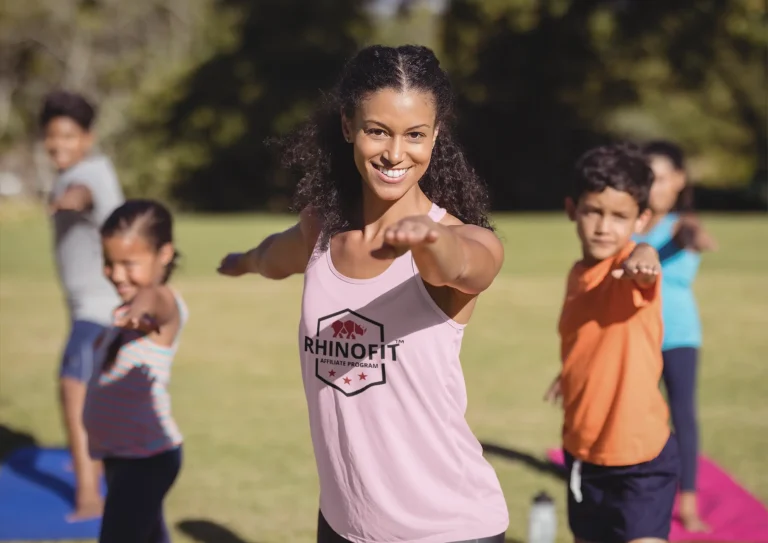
x=611, y=332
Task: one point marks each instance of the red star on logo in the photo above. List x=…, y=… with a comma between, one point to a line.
x=332, y=373
x=362, y=376
x=347, y=380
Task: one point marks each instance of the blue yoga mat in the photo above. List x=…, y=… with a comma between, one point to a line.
x=37, y=493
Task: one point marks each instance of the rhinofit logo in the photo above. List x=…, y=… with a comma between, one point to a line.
x=350, y=352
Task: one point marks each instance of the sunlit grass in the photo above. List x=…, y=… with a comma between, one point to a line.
x=237, y=390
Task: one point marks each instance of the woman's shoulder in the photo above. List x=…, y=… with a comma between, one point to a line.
x=451, y=220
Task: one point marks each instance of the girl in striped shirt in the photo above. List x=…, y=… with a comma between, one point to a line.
x=128, y=408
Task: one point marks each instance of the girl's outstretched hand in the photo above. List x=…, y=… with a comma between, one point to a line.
x=136, y=318
x=233, y=265
x=691, y=235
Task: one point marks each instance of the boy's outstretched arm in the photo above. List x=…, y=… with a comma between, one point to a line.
x=279, y=255
x=75, y=198
x=642, y=266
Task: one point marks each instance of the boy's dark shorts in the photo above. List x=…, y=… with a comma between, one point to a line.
x=620, y=504
x=78, y=358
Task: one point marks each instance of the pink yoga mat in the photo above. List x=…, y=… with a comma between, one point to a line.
x=731, y=512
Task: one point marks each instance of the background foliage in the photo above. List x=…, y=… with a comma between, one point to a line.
x=190, y=89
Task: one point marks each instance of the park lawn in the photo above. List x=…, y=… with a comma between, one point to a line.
x=249, y=474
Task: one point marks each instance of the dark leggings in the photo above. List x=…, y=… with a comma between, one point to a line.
x=136, y=487
x=680, y=381
x=325, y=534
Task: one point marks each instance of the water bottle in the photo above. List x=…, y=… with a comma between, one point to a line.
x=542, y=523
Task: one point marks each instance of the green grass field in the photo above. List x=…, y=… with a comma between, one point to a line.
x=237, y=391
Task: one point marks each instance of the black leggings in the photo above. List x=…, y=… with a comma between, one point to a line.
x=680, y=381
x=136, y=488
x=325, y=534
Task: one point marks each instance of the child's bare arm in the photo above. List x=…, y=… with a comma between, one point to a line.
x=692, y=235
x=151, y=309
x=75, y=198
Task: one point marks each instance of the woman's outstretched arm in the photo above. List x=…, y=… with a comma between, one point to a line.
x=280, y=255
x=464, y=257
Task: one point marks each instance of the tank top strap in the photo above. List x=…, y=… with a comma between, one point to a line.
x=436, y=213
x=181, y=304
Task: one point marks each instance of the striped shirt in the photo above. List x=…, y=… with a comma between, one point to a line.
x=128, y=408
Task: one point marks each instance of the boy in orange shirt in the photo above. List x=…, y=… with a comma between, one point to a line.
x=619, y=452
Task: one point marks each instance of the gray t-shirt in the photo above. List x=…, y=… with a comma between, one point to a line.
x=79, y=259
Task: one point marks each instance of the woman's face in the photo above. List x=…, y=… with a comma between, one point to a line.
x=668, y=182
x=392, y=134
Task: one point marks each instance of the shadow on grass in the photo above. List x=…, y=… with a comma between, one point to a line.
x=542, y=466
x=10, y=440
x=206, y=531
x=19, y=452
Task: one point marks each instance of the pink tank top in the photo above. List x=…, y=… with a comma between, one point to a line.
x=396, y=458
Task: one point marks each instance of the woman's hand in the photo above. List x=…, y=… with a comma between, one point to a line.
x=235, y=265
x=464, y=257
x=412, y=232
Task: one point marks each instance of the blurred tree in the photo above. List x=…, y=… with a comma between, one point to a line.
x=542, y=80
x=412, y=22
x=530, y=90
x=107, y=49
x=207, y=136
x=700, y=70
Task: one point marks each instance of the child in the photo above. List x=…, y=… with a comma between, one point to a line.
x=84, y=194
x=128, y=409
x=680, y=240
x=622, y=461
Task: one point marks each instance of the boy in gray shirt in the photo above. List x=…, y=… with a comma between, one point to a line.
x=85, y=192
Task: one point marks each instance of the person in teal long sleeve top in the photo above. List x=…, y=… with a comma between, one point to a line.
x=680, y=239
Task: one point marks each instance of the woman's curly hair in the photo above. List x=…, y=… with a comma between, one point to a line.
x=329, y=181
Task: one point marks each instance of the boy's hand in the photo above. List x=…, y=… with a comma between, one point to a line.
x=554, y=393
x=642, y=266
x=76, y=198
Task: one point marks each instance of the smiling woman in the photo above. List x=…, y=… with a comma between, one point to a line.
x=395, y=245
x=391, y=104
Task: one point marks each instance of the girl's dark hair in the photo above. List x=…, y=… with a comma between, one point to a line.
x=329, y=181
x=67, y=104
x=150, y=219
x=676, y=157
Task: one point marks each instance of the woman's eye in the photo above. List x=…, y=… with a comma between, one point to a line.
x=417, y=135
x=378, y=132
